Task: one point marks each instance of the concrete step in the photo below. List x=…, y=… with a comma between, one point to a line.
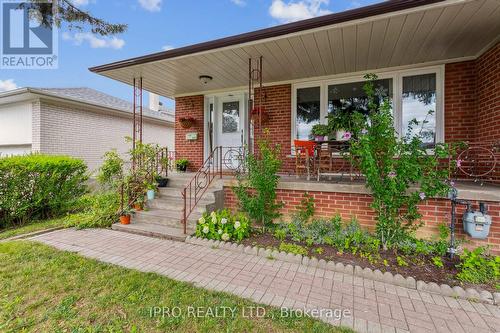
x=164, y=217
x=177, y=205
x=177, y=192
x=153, y=230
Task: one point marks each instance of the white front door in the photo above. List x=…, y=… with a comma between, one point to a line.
x=229, y=128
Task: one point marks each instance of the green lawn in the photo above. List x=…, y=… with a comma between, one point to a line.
x=31, y=227
x=46, y=290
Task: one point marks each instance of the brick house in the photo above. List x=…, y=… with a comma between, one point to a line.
x=447, y=49
x=79, y=122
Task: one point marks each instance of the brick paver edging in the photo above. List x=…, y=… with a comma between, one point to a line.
x=368, y=273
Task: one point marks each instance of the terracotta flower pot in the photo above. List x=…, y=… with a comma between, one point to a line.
x=137, y=207
x=125, y=219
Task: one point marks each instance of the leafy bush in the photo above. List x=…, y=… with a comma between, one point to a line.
x=256, y=189
x=110, y=173
x=476, y=267
x=393, y=165
x=222, y=225
x=102, y=210
x=293, y=248
x=413, y=246
x=306, y=208
x=349, y=237
x=39, y=186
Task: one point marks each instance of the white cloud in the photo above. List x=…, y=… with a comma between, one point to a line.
x=8, y=84
x=355, y=4
x=240, y=3
x=167, y=47
x=95, y=42
x=293, y=10
x=151, y=5
x=80, y=2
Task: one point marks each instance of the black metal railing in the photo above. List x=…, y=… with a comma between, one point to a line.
x=221, y=160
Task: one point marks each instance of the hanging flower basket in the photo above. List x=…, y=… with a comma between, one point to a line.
x=186, y=122
x=259, y=112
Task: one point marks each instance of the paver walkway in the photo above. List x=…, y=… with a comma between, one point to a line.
x=375, y=306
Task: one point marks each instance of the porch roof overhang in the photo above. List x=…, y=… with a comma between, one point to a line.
x=385, y=35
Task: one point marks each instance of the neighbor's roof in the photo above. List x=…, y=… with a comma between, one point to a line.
x=90, y=96
x=384, y=35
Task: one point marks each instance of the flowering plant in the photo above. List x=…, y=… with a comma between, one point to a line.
x=222, y=225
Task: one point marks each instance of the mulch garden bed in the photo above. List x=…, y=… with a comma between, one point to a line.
x=420, y=268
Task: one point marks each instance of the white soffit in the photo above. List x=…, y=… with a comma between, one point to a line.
x=447, y=30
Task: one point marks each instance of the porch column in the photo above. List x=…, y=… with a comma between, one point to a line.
x=137, y=114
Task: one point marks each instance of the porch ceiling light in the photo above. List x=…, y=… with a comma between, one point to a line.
x=205, y=79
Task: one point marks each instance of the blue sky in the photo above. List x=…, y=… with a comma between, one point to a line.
x=154, y=25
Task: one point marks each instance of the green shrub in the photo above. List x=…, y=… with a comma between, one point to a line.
x=393, y=166
x=476, y=267
x=306, y=208
x=102, y=210
x=110, y=174
x=256, y=189
x=293, y=248
x=39, y=186
x=222, y=225
x=438, y=262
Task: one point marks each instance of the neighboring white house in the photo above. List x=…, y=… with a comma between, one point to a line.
x=80, y=122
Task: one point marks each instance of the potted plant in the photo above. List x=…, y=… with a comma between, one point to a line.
x=186, y=122
x=125, y=215
x=339, y=122
x=151, y=189
x=139, y=203
x=161, y=181
x=320, y=132
x=181, y=164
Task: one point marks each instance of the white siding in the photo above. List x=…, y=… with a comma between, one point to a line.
x=86, y=134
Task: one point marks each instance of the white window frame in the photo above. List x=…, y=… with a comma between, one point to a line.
x=397, y=88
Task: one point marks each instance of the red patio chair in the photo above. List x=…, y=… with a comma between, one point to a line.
x=304, y=156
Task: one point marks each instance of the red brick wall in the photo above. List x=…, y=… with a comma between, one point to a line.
x=277, y=102
x=190, y=106
x=472, y=103
x=460, y=101
x=488, y=95
x=434, y=211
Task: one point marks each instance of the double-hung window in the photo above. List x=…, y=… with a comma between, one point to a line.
x=414, y=94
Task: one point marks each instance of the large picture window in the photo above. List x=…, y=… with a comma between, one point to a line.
x=351, y=97
x=308, y=111
x=419, y=102
x=414, y=94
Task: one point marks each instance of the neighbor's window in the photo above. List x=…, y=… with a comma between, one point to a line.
x=419, y=103
x=230, y=117
x=351, y=97
x=308, y=111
